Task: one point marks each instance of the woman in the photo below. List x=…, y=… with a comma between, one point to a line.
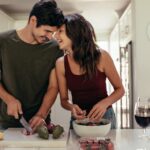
x=83, y=70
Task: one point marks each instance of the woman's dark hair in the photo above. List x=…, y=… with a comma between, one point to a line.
x=47, y=13
x=85, y=51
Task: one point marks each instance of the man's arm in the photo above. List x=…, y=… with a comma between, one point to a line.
x=13, y=105
x=48, y=101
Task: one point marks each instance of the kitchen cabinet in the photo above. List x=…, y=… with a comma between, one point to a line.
x=125, y=27
x=121, y=52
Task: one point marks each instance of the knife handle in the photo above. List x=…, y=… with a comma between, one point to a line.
x=20, y=115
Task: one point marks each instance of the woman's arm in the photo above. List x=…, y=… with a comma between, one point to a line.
x=60, y=71
x=113, y=76
x=63, y=89
x=108, y=67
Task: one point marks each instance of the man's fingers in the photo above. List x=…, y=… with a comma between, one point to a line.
x=20, y=109
x=16, y=115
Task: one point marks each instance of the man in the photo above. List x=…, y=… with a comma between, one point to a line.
x=27, y=62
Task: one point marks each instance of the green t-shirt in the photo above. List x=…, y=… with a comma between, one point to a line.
x=25, y=70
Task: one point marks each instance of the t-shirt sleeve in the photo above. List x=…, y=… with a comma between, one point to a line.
x=59, y=53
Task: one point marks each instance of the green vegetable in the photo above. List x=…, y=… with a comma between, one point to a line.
x=43, y=132
x=57, y=131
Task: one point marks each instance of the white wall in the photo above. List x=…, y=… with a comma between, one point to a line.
x=20, y=24
x=6, y=22
x=141, y=48
x=141, y=45
x=60, y=115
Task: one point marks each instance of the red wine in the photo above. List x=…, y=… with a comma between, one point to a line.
x=142, y=121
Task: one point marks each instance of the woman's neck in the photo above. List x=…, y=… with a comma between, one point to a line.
x=69, y=52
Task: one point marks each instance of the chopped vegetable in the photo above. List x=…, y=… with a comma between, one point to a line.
x=43, y=132
x=57, y=131
x=25, y=132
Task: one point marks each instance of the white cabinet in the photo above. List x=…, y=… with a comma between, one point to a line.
x=125, y=25
x=114, y=46
x=121, y=52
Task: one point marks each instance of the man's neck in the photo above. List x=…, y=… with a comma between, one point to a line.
x=25, y=35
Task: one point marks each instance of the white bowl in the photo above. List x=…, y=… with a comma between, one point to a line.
x=92, y=131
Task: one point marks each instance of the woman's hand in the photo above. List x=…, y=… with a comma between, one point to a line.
x=98, y=111
x=77, y=112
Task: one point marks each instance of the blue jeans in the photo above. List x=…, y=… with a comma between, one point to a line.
x=110, y=115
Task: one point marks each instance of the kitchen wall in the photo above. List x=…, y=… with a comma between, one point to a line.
x=141, y=45
x=6, y=22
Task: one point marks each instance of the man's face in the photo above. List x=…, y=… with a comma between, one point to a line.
x=43, y=33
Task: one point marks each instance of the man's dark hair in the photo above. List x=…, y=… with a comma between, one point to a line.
x=47, y=13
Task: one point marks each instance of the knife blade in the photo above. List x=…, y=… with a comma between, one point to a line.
x=25, y=124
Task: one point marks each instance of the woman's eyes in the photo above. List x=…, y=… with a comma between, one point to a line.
x=61, y=30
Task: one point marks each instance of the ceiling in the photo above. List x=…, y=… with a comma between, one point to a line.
x=103, y=14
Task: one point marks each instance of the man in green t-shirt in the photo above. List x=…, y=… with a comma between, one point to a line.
x=28, y=83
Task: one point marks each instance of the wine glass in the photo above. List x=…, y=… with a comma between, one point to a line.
x=142, y=114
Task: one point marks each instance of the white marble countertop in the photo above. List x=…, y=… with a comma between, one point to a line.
x=15, y=139
x=123, y=139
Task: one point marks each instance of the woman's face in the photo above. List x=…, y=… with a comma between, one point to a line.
x=62, y=38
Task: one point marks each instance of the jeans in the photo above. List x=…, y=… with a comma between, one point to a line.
x=110, y=115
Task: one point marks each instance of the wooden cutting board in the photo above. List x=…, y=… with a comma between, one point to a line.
x=13, y=137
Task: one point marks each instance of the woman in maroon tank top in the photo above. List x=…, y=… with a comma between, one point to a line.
x=83, y=71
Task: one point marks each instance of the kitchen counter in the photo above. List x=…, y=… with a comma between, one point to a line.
x=125, y=139
x=14, y=139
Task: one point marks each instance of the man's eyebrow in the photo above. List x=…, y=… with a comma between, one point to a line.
x=49, y=31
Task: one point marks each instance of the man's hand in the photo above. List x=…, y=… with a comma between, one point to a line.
x=14, y=108
x=36, y=121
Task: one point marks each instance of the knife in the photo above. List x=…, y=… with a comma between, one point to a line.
x=25, y=124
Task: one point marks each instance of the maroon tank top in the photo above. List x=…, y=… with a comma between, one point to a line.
x=85, y=92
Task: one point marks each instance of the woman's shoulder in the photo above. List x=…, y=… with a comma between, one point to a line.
x=104, y=53
x=105, y=56
x=60, y=60
x=60, y=65
x=104, y=60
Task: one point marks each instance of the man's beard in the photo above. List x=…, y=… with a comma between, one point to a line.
x=42, y=39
